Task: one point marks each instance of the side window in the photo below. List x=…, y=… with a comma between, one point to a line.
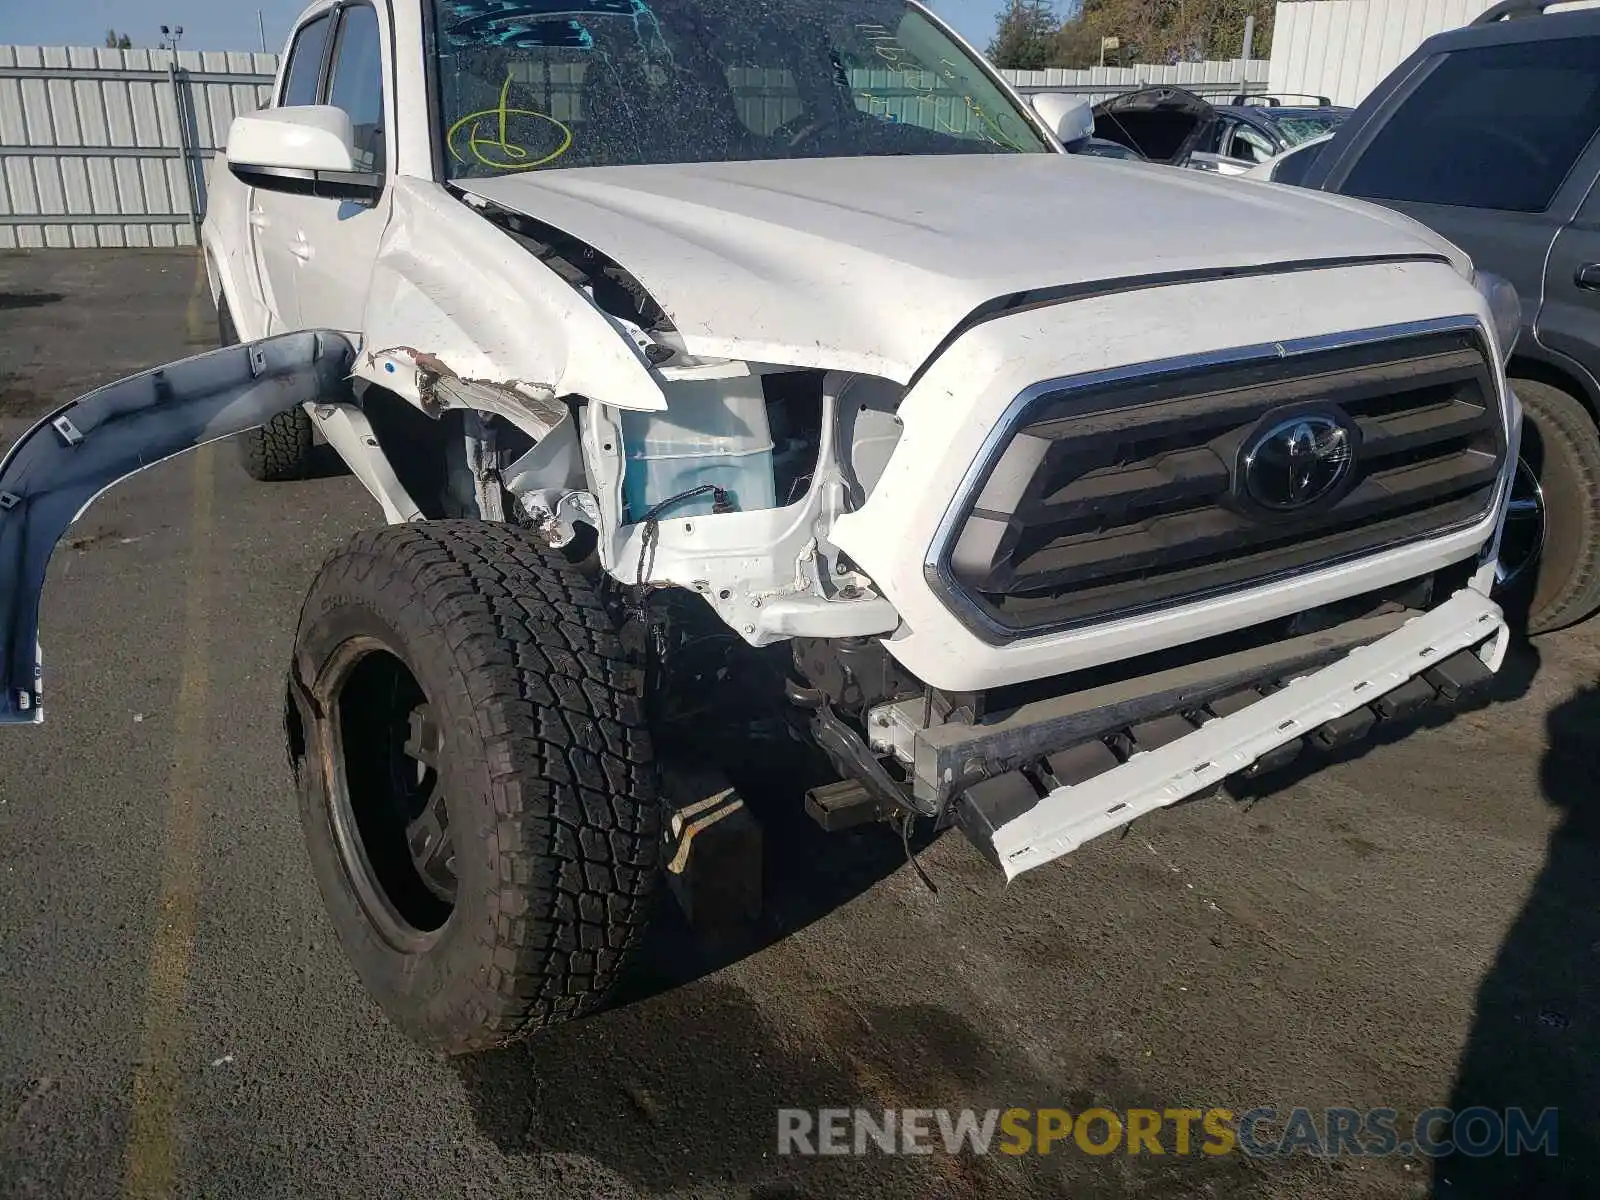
x=766, y=100
x=1498, y=127
x=305, y=63
x=358, y=84
x=1250, y=145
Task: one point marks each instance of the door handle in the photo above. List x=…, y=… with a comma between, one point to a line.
x=258, y=219
x=301, y=248
x=1587, y=277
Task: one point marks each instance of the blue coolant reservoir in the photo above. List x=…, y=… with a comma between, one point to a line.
x=714, y=432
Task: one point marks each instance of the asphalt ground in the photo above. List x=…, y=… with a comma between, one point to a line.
x=1412, y=926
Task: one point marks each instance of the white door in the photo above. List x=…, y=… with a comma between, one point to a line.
x=272, y=214
x=336, y=241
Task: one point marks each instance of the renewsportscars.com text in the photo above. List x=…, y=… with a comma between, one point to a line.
x=1257, y=1132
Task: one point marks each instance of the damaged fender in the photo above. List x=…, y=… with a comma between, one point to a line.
x=460, y=315
x=60, y=466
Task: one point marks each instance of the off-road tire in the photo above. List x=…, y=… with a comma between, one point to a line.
x=547, y=770
x=281, y=449
x=1562, y=445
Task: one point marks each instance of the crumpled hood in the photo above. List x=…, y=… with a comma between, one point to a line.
x=866, y=264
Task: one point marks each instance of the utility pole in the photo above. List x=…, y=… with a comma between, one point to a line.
x=261, y=26
x=1244, y=55
x=170, y=37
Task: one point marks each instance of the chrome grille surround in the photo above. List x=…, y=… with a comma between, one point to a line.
x=1422, y=401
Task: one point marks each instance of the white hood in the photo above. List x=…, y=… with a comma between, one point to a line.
x=867, y=264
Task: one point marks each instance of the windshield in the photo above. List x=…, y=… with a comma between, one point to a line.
x=1304, y=126
x=540, y=84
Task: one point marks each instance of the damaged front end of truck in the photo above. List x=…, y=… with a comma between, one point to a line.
x=1001, y=568
x=1022, y=493
x=881, y=599
x=1004, y=573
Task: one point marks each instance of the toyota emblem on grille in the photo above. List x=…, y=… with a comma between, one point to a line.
x=1299, y=461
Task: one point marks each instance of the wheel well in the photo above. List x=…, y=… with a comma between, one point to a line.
x=414, y=444
x=1542, y=372
x=424, y=450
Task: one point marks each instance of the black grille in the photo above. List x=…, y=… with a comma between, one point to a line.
x=1127, y=496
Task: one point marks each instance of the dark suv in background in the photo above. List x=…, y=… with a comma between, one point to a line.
x=1487, y=134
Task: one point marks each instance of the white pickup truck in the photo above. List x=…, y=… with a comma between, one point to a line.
x=717, y=363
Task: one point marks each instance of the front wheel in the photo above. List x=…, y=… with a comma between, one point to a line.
x=475, y=780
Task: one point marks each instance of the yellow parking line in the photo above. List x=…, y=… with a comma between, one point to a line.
x=152, y=1144
x=195, y=317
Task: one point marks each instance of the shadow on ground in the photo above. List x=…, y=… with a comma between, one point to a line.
x=677, y=1087
x=14, y=300
x=1535, y=1040
x=680, y=1093
x=807, y=873
x=324, y=463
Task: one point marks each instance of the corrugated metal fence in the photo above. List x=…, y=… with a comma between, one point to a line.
x=106, y=147
x=1342, y=49
x=103, y=147
x=1218, y=81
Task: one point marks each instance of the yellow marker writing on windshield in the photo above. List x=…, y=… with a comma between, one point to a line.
x=501, y=153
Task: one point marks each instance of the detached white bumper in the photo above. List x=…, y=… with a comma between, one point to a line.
x=1069, y=816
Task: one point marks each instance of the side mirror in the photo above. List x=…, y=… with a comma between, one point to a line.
x=306, y=150
x=1071, y=118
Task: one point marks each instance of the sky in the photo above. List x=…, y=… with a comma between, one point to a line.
x=231, y=24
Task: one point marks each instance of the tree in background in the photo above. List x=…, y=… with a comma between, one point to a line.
x=1150, y=31
x=1077, y=44
x=1024, y=39
x=118, y=41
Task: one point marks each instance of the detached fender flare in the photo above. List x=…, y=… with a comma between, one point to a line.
x=63, y=464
